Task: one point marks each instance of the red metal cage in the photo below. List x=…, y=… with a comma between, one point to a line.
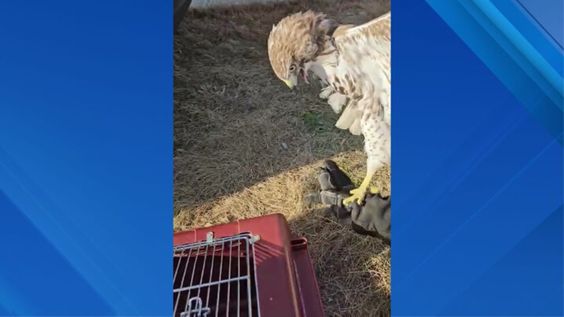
x=251, y=267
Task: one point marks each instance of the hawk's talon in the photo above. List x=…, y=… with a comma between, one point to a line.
x=357, y=195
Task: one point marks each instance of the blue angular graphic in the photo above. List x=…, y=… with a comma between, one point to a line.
x=477, y=160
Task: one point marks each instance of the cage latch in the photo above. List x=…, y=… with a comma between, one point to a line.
x=195, y=308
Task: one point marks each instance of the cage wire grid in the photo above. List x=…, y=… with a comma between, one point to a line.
x=216, y=277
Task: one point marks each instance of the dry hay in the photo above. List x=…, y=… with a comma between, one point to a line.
x=246, y=146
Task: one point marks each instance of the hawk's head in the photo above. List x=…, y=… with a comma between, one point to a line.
x=294, y=41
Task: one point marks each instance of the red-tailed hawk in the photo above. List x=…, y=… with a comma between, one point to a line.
x=354, y=62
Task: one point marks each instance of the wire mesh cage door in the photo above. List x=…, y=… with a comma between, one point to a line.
x=216, y=277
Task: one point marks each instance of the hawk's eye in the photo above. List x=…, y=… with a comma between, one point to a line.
x=292, y=67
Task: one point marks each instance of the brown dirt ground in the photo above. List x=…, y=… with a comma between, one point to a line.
x=247, y=146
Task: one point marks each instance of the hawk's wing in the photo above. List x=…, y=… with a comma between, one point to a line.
x=323, y=68
x=365, y=49
x=350, y=119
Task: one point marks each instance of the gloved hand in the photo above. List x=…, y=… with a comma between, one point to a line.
x=371, y=218
x=335, y=187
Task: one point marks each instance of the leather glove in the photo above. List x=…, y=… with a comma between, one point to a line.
x=372, y=218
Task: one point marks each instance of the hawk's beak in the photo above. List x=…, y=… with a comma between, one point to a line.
x=289, y=83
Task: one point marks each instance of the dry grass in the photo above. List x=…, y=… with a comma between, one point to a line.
x=247, y=146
